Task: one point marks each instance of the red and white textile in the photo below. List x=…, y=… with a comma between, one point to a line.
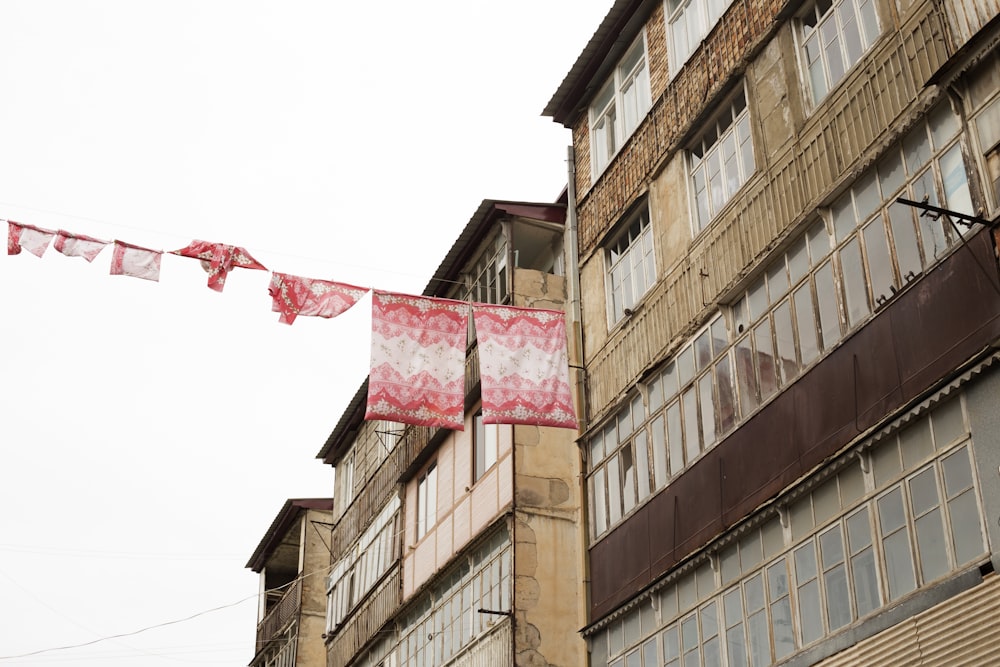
x=218, y=259
x=523, y=366
x=33, y=239
x=13, y=238
x=78, y=245
x=130, y=260
x=418, y=360
x=293, y=296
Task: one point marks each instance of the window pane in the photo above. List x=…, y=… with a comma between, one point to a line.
x=707, y=409
x=806, y=321
x=784, y=334
x=896, y=545
x=628, y=479
x=692, y=444
x=726, y=408
x=853, y=274
x=904, y=239
x=659, y=444
x=746, y=376
x=641, y=465
x=675, y=441
x=956, y=184
x=765, y=360
x=614, y=491
x=879, y=261
x=829, y=314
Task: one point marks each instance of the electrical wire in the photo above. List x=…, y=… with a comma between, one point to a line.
x=164, y=624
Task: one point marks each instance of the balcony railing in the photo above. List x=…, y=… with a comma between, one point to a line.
x=280, y=615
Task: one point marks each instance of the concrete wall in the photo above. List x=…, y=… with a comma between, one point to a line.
x=314, y=563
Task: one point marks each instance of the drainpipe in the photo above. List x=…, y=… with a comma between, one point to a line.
x=576, y=363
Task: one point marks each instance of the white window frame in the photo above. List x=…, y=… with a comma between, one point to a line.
x=721, y=161
x=486, y=446
x=426, y=500
x=688, y=22
x=621, y=105
x=823, y=66
x=631, y=265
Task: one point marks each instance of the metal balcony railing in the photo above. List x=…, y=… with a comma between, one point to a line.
x=280, y=615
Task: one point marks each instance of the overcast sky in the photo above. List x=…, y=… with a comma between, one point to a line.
x=150, y=432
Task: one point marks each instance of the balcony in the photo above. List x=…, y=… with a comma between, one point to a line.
x=280, y=615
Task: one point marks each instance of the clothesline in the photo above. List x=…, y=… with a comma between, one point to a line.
x=418, y=342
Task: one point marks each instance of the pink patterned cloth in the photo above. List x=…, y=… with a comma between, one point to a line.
x=130, y=260
x=219, y=259
x=78, y=245
x=293, y=296
x=13, y=238
x=418, y=360
x=33, y=239
x=523, y=366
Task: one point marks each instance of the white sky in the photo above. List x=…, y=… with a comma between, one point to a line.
x=150, y=432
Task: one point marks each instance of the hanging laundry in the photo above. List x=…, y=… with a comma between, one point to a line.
x=13, y=238
x=218, y=259
x=293, y=296
x=130, y=260
x=33, y=239
x=418, y=360
x=78, y=245
x=524, y=370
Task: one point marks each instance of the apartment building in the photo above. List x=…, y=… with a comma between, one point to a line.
x=292, y=560
x=791, y=432
x=462, y=547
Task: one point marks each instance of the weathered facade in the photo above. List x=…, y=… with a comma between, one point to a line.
x=292, y=560
x=462, y=547
x=791, y=435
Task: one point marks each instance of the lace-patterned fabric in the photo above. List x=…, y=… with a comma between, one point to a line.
x=418, y=360
x=293, y=296
x=523, y=366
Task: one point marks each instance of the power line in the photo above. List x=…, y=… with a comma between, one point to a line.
x=165, y=623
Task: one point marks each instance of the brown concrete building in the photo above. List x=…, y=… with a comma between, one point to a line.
x=791, y=430
x=462, y=547
x=292, y=559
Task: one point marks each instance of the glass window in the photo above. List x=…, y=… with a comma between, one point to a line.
x=688, y=21
x=620, y=106
x=631, y=266
x=487, y=438
x=721, y=161
x=834, y=36
x=427, y=500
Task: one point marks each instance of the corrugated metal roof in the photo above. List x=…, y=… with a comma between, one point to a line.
x=286, y=516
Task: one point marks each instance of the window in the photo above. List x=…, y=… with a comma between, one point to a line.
x=830, y=280
x=721, y=161
x=688, y=406
x=620, y=106
x=363, y=565
x=834, y=35
x=487, y=439
x=984, y=106
x=427, y=500
x=344, y=482
x=446, y=618
x=856, y=543
x=631, y=265
x=688, y=21
x=488, y=277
